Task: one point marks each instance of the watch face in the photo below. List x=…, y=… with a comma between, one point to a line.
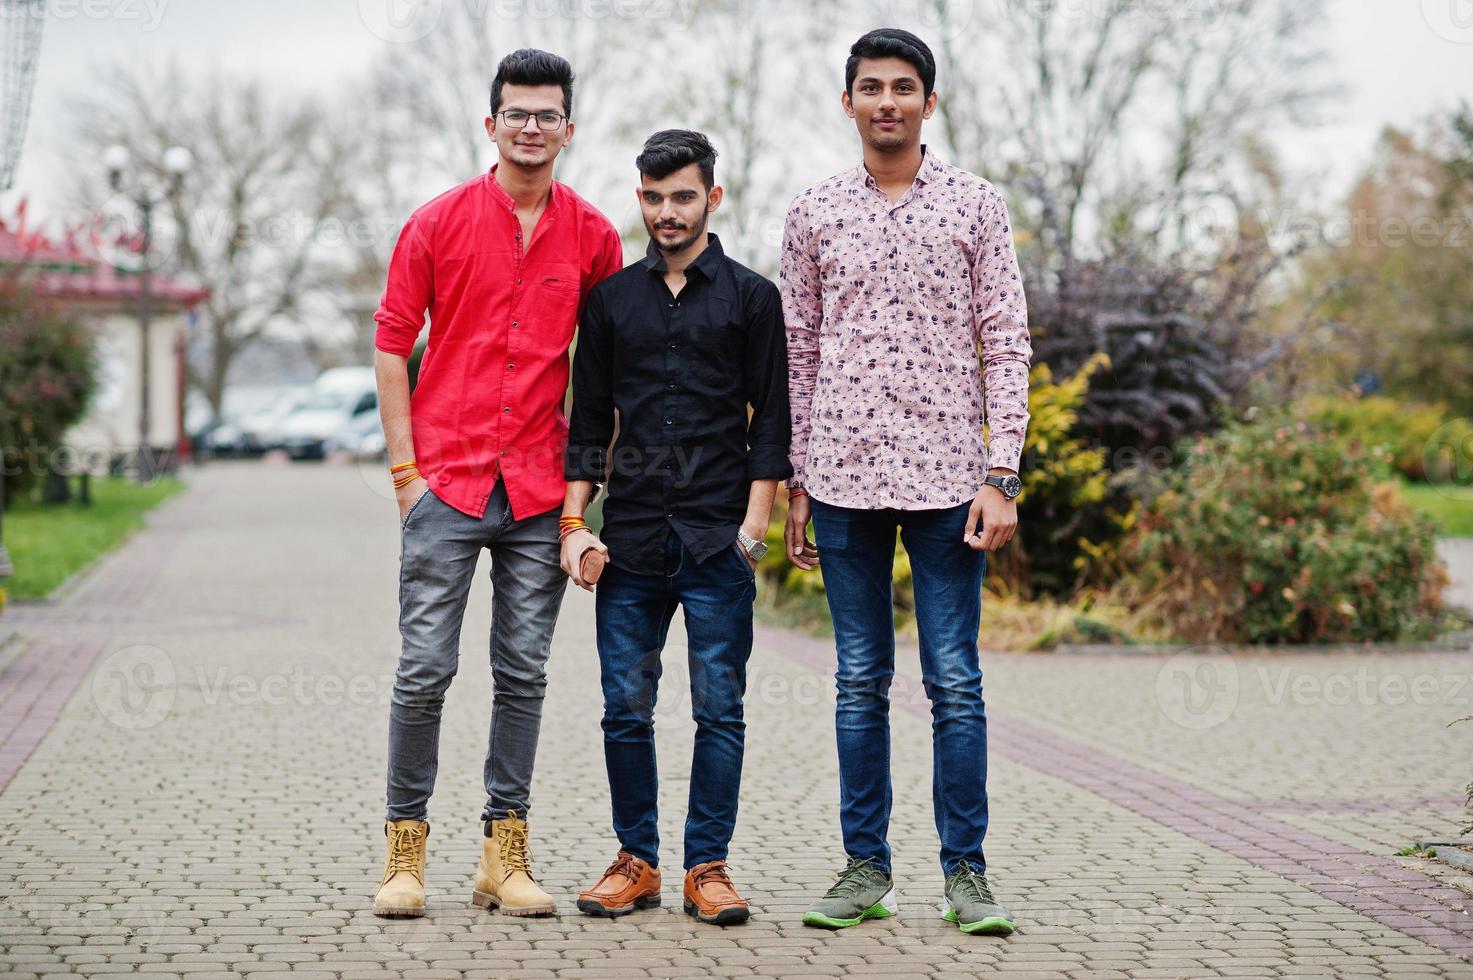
x=1012, y=486
x=758, y=551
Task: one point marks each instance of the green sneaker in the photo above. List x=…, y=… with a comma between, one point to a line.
x=971, y=904
x=862, y=892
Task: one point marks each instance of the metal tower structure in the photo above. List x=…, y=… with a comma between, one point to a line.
x=21, y=22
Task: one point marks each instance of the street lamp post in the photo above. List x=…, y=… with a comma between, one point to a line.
x=145, y=197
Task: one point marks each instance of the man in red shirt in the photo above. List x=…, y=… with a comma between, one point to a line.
x=501, y=264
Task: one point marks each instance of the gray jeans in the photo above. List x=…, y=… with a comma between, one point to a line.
x=439, y=547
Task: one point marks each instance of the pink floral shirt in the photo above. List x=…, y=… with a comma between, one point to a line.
x=885, y=306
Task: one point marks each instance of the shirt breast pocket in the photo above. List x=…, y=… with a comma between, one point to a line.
x=941, y=268
x=720, y=339
x=557, y=304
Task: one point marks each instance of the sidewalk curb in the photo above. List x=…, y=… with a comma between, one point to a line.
x=1450, y=852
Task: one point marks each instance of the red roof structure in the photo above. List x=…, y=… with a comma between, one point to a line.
x=70, y=272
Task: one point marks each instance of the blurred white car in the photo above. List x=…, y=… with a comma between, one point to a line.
x=260, y=431
x=361, y=437
x=248, y=419
x=339, y=395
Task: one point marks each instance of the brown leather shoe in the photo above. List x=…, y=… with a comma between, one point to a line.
x=711, y=897
x=628, y=884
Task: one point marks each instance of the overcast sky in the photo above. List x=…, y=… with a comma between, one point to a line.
x=1398, y=59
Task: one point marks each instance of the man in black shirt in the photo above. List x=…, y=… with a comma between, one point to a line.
x=679, y=344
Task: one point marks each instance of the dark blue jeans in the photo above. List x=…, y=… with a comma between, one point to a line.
x=634, y=613
x=857, y=549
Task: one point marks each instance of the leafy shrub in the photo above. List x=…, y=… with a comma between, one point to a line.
x=1274, y=531
x=1064, y=485
x=1409, y=432
x=47, y=373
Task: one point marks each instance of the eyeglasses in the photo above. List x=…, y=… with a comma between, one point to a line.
x=518, y=119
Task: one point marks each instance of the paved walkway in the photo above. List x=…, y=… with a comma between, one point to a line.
x=192, y=743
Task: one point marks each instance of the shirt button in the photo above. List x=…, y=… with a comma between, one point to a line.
x=515, y=323
x=507, y=409
x=672, y=386
x=511, y=367
x=669, y=420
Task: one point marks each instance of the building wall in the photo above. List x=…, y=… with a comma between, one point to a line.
x=110, y=427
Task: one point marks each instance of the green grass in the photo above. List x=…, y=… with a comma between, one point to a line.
x=49, y=543
x=1449, y=506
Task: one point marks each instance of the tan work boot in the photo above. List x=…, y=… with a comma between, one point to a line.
x=402, y=890
x=504, y=876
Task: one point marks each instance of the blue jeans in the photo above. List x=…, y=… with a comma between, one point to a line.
x=857, y=549
x=633, y=618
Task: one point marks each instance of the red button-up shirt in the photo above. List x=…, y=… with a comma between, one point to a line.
x=489, y=399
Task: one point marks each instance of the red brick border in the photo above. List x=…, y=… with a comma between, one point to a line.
x=1374, y=885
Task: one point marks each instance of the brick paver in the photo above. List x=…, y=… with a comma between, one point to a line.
x=208, y=800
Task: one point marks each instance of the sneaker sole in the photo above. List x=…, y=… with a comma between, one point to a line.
x=591, y=906
x=994, y=925
x=883, y=909
x=726, y=917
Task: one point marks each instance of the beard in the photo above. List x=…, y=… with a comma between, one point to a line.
x=881, y=140
x=681, y=244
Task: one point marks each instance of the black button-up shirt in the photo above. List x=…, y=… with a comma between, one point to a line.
x=681, y=371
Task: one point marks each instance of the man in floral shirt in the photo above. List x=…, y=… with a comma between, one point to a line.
x=894, y=273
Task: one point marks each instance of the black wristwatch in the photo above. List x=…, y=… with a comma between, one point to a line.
x=1010, y=485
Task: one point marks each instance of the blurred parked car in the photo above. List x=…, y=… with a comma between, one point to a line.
x=248, y=421
x=261, y=431
x=339, y=395
x=361, y=437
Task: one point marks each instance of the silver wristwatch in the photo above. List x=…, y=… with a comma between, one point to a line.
x=757, y=550
x=1010, y=485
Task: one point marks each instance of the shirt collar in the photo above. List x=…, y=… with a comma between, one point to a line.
x=928, y=171
x=706, y=263
x=499, y=194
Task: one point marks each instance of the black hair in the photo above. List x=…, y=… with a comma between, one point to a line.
x=892, y=42
x=671, y=149
x=529, y=66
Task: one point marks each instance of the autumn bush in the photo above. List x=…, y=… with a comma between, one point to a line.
x=1281, y=531
x=1415, y=435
